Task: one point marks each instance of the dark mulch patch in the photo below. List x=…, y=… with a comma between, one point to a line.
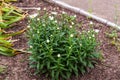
x=18, y=66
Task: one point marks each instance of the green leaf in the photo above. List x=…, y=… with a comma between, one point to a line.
x=96, y=55
x=48, y=65
x=38, y=65
x=63, y=75
x=57, y=75
x=82, y=70
x=90, y=64
x=53, y=74
x=68, y=74
x=76, y=70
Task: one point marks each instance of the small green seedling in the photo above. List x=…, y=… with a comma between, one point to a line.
x=112, y=34
x=114, y=39
x=2, y=69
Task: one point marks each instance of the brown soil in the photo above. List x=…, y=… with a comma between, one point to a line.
x=18, y=66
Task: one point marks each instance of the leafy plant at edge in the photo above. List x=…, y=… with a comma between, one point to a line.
x=8, y=16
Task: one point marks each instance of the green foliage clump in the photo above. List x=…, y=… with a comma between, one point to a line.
x=9, y=14
x=57, y=49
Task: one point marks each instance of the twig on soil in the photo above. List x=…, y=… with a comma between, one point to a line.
x=21, y=51
x=36, y=8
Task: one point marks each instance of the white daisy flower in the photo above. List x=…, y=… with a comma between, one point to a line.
x=33, y=15
x=89, y=37
x=38, y=32
x=97, y=30
x=38, y=19
x=91, y=23
x=93, y=35
x=70, y=26
x=63, y=12
x=88, y=31
x=51, y=35
x=28, y=26
x=31, y=46
x=43, y=24
x=55, y=21
x=71, y=35
x=39, y=9
x=48, y=41
x=80, y=44
x=44, y=8
x=51, y=17
x=73, y=23
x=55, y=13
x=69, y=47
x=58, y=55
x=51, y=49
x=75, y=16
x=58, y=28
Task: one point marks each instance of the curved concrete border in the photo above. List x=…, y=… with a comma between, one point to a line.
x=78, y=10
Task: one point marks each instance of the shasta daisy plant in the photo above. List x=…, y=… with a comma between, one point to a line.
x=59, y=50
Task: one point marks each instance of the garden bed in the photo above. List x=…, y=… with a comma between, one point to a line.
x=17, y=67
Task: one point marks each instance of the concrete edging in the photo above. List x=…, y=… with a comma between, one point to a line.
x=87, y=14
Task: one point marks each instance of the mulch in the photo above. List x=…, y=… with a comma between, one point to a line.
x=17, y=67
